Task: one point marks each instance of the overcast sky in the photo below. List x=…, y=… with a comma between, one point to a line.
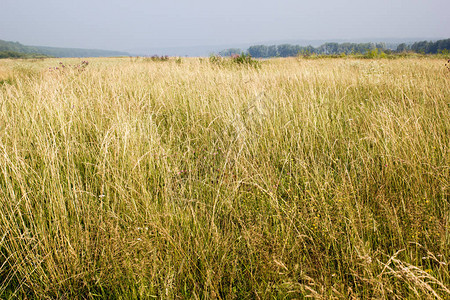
x=128, y=24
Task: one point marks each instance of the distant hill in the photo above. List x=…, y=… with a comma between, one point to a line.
x=16, y=47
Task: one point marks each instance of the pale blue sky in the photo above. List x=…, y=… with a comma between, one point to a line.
x=121, y=25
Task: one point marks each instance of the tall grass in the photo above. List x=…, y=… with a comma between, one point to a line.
x=140, y=179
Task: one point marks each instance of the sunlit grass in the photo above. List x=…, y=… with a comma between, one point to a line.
x=134, y=178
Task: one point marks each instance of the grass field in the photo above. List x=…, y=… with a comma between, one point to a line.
x=183, y=179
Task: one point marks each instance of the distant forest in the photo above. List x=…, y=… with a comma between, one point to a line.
x=17, y=50
x=287, y=50
x=13, y=54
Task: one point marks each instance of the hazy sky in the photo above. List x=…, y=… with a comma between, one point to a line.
x=123, y=25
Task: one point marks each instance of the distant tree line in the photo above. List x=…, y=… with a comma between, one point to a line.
x=13, y=54
x=431, y=47
x=230, y=52
x=16, y=47
x=287, y=50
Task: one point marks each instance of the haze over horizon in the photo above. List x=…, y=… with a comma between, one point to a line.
x=125, y=25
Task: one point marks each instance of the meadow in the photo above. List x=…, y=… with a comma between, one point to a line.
x=133, y=178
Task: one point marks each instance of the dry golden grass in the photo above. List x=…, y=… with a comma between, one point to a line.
x=129, y=178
